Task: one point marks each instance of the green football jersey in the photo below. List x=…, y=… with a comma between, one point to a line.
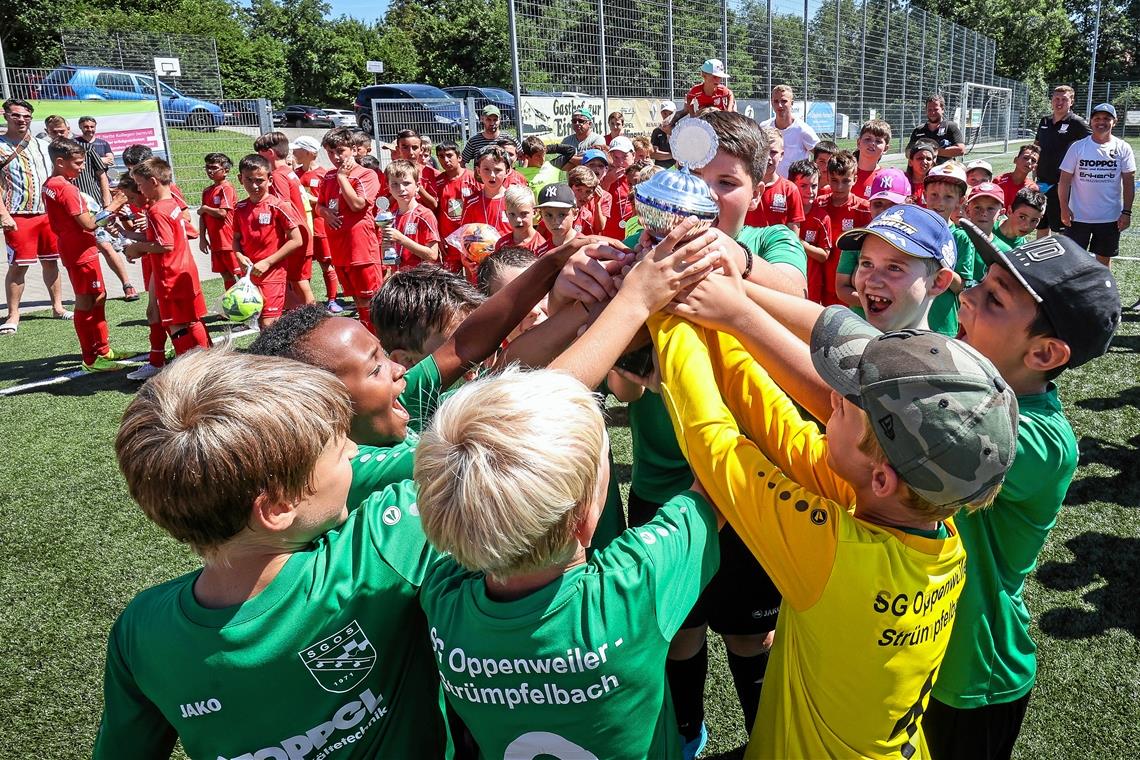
x=329, y=660
x=576, y=669
x=991, y=658
x=375, y=467
x=660, y=471
x=775, y=244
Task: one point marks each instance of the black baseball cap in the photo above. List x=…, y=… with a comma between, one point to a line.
x=556, y=195
x=1077, y=293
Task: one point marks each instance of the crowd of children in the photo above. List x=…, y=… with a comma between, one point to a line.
x=848, y=448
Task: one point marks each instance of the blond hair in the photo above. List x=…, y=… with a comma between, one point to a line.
x=517, y=197
x=210, y=434
x=773, y=135
x=642, y=142
x=869, y=446
x=876, y=127
x=783, y=89
x=581, y=175
x=508, y=468
x=402, y=169
x=1064, y=89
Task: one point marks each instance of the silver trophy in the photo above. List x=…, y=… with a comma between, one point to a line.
x=668, y=198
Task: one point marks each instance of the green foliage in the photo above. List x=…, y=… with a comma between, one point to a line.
x=457, y=41
x=1117, y=46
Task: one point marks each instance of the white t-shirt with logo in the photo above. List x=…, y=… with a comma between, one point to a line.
x=1097, y=195
x=799, y=139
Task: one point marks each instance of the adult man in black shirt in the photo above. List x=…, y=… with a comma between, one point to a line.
x=1055, y=134
x=941, y=130
x=659, y=138
x=489, y=136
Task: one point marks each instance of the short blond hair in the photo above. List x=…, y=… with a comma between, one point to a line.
x=517, y=197
x=402, y=169
x=783, y=89
x=773, y=135
x=1064, y=89
x=869, y=446
x=208, y=435
x=582, y=175
x=642, y=142
x=507, y=469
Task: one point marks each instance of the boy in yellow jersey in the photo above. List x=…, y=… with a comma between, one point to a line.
x=926, y=426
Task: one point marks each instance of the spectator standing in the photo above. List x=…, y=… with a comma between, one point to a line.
x=799, y=138
x=947, y=134
x=581, y=139
x=616, y=122
x=1097, y=187
x=93, y=181
x=1055, y=134
x=713, y=90
x=24, y=168
x=659, y=137
x=490, y=135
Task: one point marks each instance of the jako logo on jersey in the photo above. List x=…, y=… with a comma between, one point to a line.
x=340, y=661
x=779, y=202
x=848, y=224
x=205, y=707
x=346, y=718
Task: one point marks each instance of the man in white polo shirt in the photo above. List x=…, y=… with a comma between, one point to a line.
x=799, y=138
x=1097, y=187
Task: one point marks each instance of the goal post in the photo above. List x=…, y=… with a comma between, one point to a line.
x=983, y=111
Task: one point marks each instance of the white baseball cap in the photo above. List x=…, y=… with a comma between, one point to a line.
x=714, y=66
x=621, y=143
x=305, y=143
x=667, y=105
x=980, y=164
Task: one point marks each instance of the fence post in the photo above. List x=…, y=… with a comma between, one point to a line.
x=516, y=80
x=770, y=111
x=162, y=121
x=264, y=115
x=835, y=71
x=602, y=54
x=886, y=50
x=669, y=31
x=906, y=56
x=806, y=76
x=724, y=31
x=922, y=89
x=4, y=72
x=938, y=57
x=1092, y=63
x=863, y=66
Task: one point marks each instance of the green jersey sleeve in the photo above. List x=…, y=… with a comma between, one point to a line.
x=421, y=396
x=132, y=726
x=376, y=467
x=966, y=256
x=848, y=260
x=391, y=522
x=776, y=245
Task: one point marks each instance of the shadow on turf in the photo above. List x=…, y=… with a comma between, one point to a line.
x=1124, y=458
x=1127, y=397
x=734, y=754
x=1096, y=557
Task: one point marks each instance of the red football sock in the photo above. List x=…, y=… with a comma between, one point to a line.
x=364, y=314
x=97, y=329
x=82, y=325
x=191, y=337
x=331, y=284
x=157, y=356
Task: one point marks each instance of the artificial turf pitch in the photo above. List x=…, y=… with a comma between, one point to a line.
x=76, y=549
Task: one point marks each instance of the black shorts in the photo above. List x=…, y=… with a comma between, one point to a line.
x=740, y=599
x=980, y=732
x=1051, y=219
x=1098, y=238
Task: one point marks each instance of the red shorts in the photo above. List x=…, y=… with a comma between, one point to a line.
x=272, y=287
x=299, y=266
x=322, y=253
x=178, y=309
x=31, y=240
x=147, y=271
x=86, y=277
x=222, y=262
x=361, y=281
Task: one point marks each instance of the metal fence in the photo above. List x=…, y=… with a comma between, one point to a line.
x=135, y=51
x=856, y=60
x=1122, y=94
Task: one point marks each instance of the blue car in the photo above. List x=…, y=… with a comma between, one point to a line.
x=483, y=96
x=429, y=110
x=87, y=83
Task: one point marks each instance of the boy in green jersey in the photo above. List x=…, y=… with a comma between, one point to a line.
x=1027, y=208
x=301, y=635
x=540, y=651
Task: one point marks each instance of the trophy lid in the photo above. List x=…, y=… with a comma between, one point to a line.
x=693, y=144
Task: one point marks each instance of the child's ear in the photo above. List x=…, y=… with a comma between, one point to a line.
x=1046, y=353
x=271, y=516
x=587, y=523
x=942, y=279
x=757, y=191
x=405, y=358
x=884, y=480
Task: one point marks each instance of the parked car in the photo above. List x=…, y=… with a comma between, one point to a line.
x=306, y=116
x=279, y=118
x=341, y=117
x=488, y=95
x=438, y=120
x=89, y=83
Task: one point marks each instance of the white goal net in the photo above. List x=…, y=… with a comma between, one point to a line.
x=984, y=112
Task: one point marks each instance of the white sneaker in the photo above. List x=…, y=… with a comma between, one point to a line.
x=144, y=372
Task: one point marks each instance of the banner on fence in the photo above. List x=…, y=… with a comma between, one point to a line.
x=121, y=122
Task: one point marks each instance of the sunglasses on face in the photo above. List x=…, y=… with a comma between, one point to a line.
x=581, y=121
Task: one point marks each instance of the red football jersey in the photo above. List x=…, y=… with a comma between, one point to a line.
x=852, y=214
x=63, y=203
x=311, y=186
x=220, y=232
x=1009, y=189
x=721, y=97
x=175, y=273
x=263, y=227
x=863, y=180
x=452, y=194
x=780, y=203
x=536, y=242
x=356, y=241
x=621, y=208
x=492, y=211
x=419, y=225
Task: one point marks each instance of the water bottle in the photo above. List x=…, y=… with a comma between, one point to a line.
x=384, y=219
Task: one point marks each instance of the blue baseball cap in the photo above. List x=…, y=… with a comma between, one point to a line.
x=593, y=153
x=914, y=230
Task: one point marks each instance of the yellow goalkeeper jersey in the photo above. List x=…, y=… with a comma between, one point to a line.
x=867, y=609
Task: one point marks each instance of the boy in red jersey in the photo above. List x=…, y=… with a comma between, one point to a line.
x=74, y=226
x=583, y=183
x=617, y=185
x=1023, y=165
x=305, y=150
x=874, y=139
x=844, y=211
x=712, y=91
x=413, y=233
x=286, y=185
x=174, y=276
x=410, y=147
x=347, y=203
x=520, y=211
x=487, y=207
x=217, y=212
x=815, y=233
x=780, y=202
x=821, y=154
x=454, y=184
x=266, y=232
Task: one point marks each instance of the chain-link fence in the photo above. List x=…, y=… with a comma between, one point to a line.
x=847, y=61
x=1124, y=95
x=200, y=75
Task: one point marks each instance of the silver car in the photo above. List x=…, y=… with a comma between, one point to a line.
x=340, y=117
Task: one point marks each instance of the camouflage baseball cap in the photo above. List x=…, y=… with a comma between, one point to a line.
x=945, y=418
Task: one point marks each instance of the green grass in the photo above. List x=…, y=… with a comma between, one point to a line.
x=188, y=146
x=77, y=549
